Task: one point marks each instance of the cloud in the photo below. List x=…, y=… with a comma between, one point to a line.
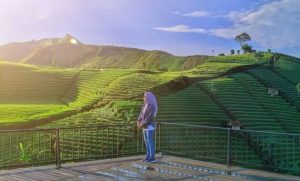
x=181, y=29
x=276, y=21
x=192, y=14
x=177, y=12
x=236, y=16
x=196, y=14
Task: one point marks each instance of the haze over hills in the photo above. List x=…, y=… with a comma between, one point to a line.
x=70, y=52
x=220, y=90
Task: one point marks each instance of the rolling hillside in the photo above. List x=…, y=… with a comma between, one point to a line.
x=43, y=94
x=69, y=52
x=239, y=96
x=213, y=93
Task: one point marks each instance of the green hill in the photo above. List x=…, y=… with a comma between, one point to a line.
x=43, y=94
x=216, y=91
x=241, y=96
x=23, y=98
x=69, y=52
x=238, y=96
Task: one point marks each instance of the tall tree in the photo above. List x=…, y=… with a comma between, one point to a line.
x=232, y=52
x=242, y=38
x=247, y=48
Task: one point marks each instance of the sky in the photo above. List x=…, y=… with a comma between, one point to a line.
x=181, y=27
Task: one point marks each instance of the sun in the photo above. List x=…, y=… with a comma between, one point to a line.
x=73, y=41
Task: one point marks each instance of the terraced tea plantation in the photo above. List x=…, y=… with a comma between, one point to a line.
x=31, y=93
x=211, y=94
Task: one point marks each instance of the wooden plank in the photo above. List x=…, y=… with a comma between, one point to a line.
x=131, y=168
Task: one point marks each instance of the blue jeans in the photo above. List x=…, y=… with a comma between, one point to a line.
x=149, y=141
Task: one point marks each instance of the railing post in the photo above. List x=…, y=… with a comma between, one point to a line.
x=57, y=153
x=158, y=137
x=229, y=147
x=155, y=138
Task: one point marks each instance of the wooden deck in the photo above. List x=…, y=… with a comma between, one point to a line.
x=131, y=168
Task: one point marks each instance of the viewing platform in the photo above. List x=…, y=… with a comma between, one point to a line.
x=132, y=168
x=114, y=152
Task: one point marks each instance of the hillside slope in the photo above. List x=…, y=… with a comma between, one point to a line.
x=70, y=52
x=234, y=88
x=239, y=96
x=28, y=92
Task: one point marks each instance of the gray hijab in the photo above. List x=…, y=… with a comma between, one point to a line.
x=150, y=99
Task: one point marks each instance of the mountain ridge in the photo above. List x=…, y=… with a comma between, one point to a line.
x=69, y=52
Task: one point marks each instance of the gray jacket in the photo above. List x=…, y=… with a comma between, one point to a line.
x=147, y=116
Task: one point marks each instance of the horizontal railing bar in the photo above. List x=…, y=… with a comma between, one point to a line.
x=97, y=126
x=269, y=132
x=64, y=128
x=193, y=125
x=28, y=130
x=131, y=125
x=220, y=128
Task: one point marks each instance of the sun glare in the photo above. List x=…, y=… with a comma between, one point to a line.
x=73, y=41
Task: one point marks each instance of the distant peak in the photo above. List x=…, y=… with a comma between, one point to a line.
x=70, y=39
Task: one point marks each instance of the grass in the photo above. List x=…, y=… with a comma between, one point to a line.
x=282, y=111
x=11, y=113
x=76, y=89
x=89, y=86
x=247, y=110
x=247, y=100
x=28, y=84
x=271, y=78
x=29, y=93
x=190, y=105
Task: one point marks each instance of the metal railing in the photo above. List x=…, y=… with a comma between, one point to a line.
x=48, y=146
x=266, y=150
x=279, y=152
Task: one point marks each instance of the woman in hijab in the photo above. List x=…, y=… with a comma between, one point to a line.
x=146, y=121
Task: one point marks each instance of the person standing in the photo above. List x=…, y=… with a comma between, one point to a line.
x=146, y=121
